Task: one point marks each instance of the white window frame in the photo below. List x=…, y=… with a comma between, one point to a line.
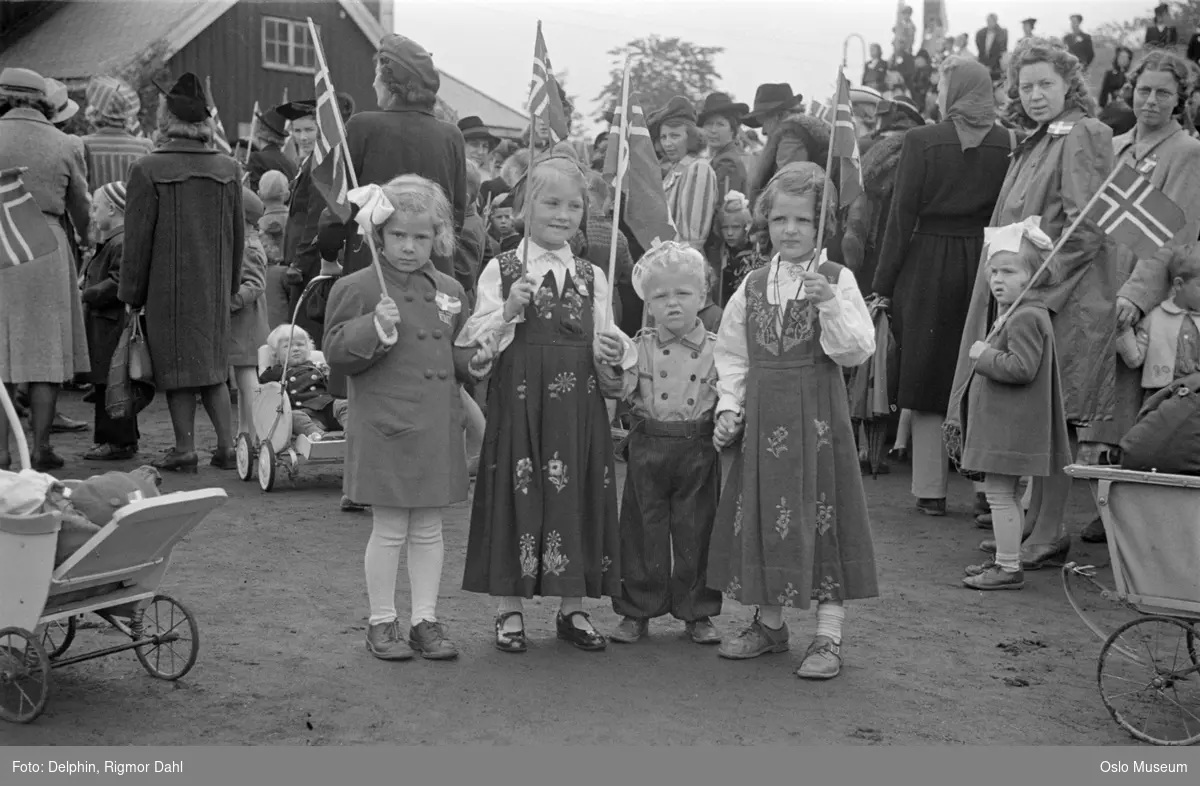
x=292, y=46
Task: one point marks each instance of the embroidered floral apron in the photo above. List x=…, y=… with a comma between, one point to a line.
x=792, y=522
x=544, y=516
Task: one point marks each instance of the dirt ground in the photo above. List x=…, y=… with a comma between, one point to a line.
x=276, y=581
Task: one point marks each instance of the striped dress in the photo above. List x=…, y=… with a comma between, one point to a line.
x=110, y=152
x=691, y=190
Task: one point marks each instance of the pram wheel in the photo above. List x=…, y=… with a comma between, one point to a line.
x=57, y=636
x=1149, y=679
x=244, y=451
x=266, y=466
x=176, y=635
x=24, y=676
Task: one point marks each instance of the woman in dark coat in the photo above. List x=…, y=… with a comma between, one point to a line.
x=404, y=138
x=947, y=182
x=43, y=340
x=1116, y=77
x=184, y=236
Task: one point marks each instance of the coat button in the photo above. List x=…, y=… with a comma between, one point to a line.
x=694, y=356
x=442, y=375
x=409, y=298
x=428, y=373
x=691, y=401
x=429, y=298
x=437, y=334
x=693, y=377
x=664, y=396
x=663, y=374
x=421, y=334
x=666, y=351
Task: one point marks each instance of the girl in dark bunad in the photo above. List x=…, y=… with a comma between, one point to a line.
x=792, y=523
x=404, y=421
x=544, y=517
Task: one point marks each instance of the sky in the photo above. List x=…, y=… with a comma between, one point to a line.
x=489, y=45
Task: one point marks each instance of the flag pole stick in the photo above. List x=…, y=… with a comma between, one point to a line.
x=828, y=169
x=527, y=207
x=1062, y=241
x=350, y=174
x=619, y=182
x=253, y=131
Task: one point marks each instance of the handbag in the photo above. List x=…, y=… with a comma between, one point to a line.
x=1166, y=437
x=130, y=386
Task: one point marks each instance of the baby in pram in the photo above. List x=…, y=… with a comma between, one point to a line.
x=314, y=410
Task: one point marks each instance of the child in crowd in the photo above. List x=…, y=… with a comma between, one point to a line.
x=116, y=438
x=1015, y=424
x=738, y=255
x=270, y=233
x=674, y=474
x=274, y=191
x=792, y=523
x=599, y=243
x=315, y=411
x=404, y=430
x=248, y=323
x=548, y=528
x=1165, y=345
x=501, y=222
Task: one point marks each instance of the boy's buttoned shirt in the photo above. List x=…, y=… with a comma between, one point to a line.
x=675, y=376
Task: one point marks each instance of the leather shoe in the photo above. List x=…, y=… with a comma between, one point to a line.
x=1038, y=557
x=1094, y=532
x=429, y=639
x=703, y=631
x=224, y=459
x=63, y=424
x=589, y=640
x=510, y=641
x=629, y=630
x=46, y=459
x=174, y=461
x=932, y=507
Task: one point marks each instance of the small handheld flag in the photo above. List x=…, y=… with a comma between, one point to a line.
x=545, y=100
x=328, y=160
x=645, y=206
x=24, y=234
x=1135, y=214
x=844, y=145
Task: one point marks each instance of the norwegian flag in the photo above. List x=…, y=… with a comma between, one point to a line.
x=545, y=100
x=820, y=111
x=645, y=204
x=328, y=156
x=220, y=139
x=24, y=234
x=845, y=145
x=1136, y=214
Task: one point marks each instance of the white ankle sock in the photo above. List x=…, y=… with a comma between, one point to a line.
x=1009, y=562
x=771, y=616
x=830, y=617
x=508, y=605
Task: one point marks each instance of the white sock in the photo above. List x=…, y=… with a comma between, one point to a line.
x=426, y=552
x=572, y=605
x=509, y=605
x=830, y=617
x=771, y=616
x=1009, y=563
x=389, y=532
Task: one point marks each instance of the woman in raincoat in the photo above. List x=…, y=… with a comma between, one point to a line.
x=1055, y=172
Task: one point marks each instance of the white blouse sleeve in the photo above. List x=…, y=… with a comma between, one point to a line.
x=847, y=332
x=730, y=355
x=487, y=322
x=602, y=317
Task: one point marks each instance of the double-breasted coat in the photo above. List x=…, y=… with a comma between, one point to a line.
x=105, y=312
x=184, y=235
x=404, y=433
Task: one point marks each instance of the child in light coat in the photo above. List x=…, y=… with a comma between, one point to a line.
x=1165, y=345
x=248, y=323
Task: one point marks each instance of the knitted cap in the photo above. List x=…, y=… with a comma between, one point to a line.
x=112, y=99
x=114, y=192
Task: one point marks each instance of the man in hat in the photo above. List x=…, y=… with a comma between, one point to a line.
x=1162, y=34
x=772, y=103
x=1080, y=43
x=64, y=107
x=1027, y=26
x=111, y=148
x=992, y=43
x=269, y=136
x=301, y=117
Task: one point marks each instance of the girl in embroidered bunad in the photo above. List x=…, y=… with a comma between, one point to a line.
x=1015, y=422
x=544, y=517
x=404, y=425
x=792, y=524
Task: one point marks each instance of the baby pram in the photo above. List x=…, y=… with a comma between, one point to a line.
x=272, y=445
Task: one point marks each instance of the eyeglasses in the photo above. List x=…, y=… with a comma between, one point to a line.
x=1162, y=96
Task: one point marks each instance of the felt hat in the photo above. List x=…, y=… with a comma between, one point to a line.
x=274, y=121
x=252, y=206
x=861, y=94
x=721, y=104
x=186, y=99
x=1161, y=9
x=901, y=106
x=64, y=107
x=473, y=128
x=22, y=82
x=1029, y=21
x=412, y=58
x=769, y=99
x=294, y=110
x=112, y=99
x=1077, y=18
x=677, y=109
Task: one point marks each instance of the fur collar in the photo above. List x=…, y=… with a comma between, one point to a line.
x=879, y=165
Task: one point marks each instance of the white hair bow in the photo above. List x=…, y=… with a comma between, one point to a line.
x=737, y=199
x=1008, y=238
x=374, y=207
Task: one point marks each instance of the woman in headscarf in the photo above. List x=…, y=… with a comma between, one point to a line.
x=43, y=338
x=689, y=183
x=1159, y=146
x=1054, y=172
x=184, y=236
x=947, y=181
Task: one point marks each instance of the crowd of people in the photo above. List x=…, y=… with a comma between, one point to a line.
x=466, y=326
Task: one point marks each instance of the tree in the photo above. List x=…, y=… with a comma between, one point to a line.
x=661, y=69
